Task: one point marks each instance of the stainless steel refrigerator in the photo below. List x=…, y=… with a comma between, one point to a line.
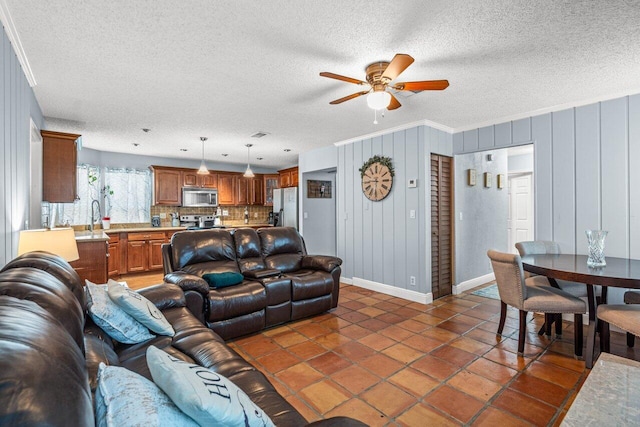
x=285, y=204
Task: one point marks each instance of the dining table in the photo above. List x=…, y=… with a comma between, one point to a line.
x=617, y=273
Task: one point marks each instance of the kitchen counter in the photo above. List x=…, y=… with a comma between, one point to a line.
x=88, y=236
x=142, y=229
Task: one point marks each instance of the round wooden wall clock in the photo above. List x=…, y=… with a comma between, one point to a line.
x=377, y=178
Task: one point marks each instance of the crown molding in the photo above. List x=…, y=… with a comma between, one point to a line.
x=14, y=38
x=395, y=129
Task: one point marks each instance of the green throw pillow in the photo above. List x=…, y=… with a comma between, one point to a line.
x=221, y=280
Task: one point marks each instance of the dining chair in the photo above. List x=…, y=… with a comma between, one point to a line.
x=532, y=294
x=624, y=316
x=631, y=297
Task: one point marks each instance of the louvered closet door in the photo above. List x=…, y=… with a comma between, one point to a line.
x=441, y=225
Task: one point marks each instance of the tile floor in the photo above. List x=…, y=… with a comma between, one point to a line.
x=388, y=361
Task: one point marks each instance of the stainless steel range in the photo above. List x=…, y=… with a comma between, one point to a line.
x=197, y=221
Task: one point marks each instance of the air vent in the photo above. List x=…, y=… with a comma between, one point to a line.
x=259, y=134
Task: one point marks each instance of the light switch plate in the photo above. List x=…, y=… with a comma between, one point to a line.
x=412, y=183
x=412, y=213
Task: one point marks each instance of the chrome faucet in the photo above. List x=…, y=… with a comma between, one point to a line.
x=93, y=205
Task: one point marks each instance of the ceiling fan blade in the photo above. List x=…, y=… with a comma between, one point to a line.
x=346, y=98
x=343, y=78
x=398, y=64
x=394, y=103
x=425, y=85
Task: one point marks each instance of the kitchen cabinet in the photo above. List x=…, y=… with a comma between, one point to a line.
x=249, y=190
x=270, y=183
x=226, y=188
x=167, y=186
x=114, y=256
x=288, y=177
x=144, y=251
x=92, y=264
x=190, y=178
x=59, y=167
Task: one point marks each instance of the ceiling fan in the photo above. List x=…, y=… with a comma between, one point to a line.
x=379, y=77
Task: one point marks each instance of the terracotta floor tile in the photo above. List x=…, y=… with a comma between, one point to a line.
x=491, y=417
x=335, y=323
x=507, y=358
x=400, y=301
x=325, y=395
x=396, y=333
x=412, y=325
x=381, y=365
x=484, y=313
x=417, y=306
x=474, y=385
x=355, y=332
x=407, y=312
x=260, y=347
x=440, y=334
x=491, y=370
x=358, y=409
x=303, y=407
x=374, y=324
x=313, y=330
x=387, y=306
x=388, y=399
x=414, y=382
x=306, y=350
x=355, y=379
x=552, y=373
x=377, y=341
x=483, y=336
x=299, y=376
x=455, y=326
x=421, y=415
x=525, y=407
x=354, y=351
x=369, y=300
x=511, y=344
x=332, y=340
x=403, y=353
x=434, y=367
x=329, y=363
x=455, y=403
x=371, y=311
x=427, y=319
x=353, y=305
x=422, y=343
x=470, y=345
x=442, y=313
x=289, y=338
x=354, y=317
x=558, y=359
x=278, y=360
x=391, y=318
x=543, y=390
x=454, y=355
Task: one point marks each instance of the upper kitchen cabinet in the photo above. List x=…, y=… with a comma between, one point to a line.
x=59, y=167
x=288, y=177
x=167, y=186
x=271, y=182
x=249, y=190
x=226, y=188
x=190, y=178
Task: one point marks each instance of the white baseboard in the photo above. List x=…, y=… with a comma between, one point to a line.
x=392, y=290
x=470, y=284
x=346, y=281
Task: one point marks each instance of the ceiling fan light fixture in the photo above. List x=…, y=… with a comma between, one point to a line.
x=248, y=173
x=378, y=100
x=202, y=170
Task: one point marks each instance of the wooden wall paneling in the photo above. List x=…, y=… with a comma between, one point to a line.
x=423, y=142
x=470, y=140
x=634, y=176
x=377, y=222
x=486, y=138
x=458, y=143
x=446, y=143
x=400, y=214
x=587, y=173
x=367, y=219
x=412, y=236
x=543, y=177
x=615, y=176
x=358, y=201
x=387, y=225
x=502, y=135
x=521, y=131
x=5, y=218
x=341, y=211
x=564, y=202
x=350, y=173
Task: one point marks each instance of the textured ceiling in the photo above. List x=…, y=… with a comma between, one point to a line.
x=227, y=69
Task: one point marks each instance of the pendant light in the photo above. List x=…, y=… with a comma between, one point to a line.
x=203, y=168
x=248, y=173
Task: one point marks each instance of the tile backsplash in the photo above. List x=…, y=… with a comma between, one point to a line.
x=257, y=214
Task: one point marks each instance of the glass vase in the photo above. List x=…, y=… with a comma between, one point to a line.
x=596, y=239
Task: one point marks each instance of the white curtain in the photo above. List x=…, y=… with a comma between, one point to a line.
x=127, y=195
x=79, y=212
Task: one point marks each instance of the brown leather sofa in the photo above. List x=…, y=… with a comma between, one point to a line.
x=281, y=281
x=50, y=349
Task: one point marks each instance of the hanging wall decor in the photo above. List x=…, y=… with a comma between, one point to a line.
x=318, y=189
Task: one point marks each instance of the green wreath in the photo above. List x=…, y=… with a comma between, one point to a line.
x=386, y=161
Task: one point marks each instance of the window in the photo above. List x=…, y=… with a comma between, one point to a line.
x=127, y=195
x=79, y=212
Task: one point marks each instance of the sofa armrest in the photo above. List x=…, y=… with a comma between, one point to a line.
x=188, y=282
x=338, y=422
x=261, y=274
x=321, y=262
x=164, y=296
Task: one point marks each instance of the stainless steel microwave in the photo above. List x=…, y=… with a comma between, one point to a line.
x=199, y=197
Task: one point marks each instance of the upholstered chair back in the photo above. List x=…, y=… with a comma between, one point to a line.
x=538, y=247
x=247, y=244
x=203, y=251
x=509, y=278
x=282, y=248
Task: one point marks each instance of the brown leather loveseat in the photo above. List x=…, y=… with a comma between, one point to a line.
x=50, y=349
x=281, y=281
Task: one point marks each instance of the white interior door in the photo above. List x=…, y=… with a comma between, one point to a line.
x=520, y=220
